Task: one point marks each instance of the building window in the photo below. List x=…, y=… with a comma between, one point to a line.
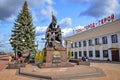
x=90, y=54
x=96, y=41
x=76, y=55
x=72, y=54
x=90, y=42
x=114, y=38
x=80, y=54
x=79, y=44
x=104, y=39
x=84, y=43
x=105, y=53
x=85, y=54
x=75, y=44
x=97, y=53
x=72, y=45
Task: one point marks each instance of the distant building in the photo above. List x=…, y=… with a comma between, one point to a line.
x=98, y=43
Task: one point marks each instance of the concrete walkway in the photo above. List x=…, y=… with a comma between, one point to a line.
x=62, y=73
x=112, y=71
x=3, y=62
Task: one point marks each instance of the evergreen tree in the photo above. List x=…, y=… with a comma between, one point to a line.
x=23, y=32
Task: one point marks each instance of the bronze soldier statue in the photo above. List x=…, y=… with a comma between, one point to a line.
x=58, y=35
x=53, y=34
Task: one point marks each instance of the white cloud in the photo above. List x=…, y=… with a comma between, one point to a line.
x=49, y=1
x=10, y=9
x=13, y=6
x=6, y=47
x=40, y=30
x=4, y=43
x=101, y=8
x=66, y=22
x=79, y=27
x=11, y=18
x=117, y=15
x=67, y=32
x=70, y=31
x=47, y=12
x=75, y=1
x=39, y=3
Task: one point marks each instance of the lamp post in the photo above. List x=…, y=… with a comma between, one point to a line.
x=36, y=46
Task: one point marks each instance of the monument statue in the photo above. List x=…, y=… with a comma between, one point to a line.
x=53, y=34
x=55, y=54
x=58, y=35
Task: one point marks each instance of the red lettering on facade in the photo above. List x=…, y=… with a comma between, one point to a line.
x=102, y=21
x=105, y=19
x=112, y=17
x=108, y=18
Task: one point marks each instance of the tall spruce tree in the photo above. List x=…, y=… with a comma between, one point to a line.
x=23, y=33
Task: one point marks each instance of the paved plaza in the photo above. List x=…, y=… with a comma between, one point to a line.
x=61, y=73
x=111, y=70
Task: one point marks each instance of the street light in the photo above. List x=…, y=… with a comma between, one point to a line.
x=36, y=46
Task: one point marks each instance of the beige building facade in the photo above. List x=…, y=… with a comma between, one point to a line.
x=98, y=43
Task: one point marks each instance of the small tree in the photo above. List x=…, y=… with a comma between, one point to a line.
x=69, y=55
x=43, y=55
x=40, y=56
x=23, y=33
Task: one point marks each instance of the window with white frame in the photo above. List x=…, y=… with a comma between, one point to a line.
x=84, y=43
x=79, y=44
x=85, y=53
x=72, y=53
x=96, y=41
x=97, y=53
x=80, y=54
x=104, y=40
x=114, y=38
x=90, y=53
x=105, y=53
x=90, y=42
x=72, y=45
x=75, y=44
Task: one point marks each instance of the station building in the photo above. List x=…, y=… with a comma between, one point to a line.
x=98, y=43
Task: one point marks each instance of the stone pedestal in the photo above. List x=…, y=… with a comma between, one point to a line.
x=51, y=60
x=50, y=52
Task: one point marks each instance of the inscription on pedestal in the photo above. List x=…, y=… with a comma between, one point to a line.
x=56, y=57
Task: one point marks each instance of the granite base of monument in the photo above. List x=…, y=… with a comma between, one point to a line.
x=55, y=58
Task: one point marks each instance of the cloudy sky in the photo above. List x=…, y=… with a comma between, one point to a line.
x=70, y=14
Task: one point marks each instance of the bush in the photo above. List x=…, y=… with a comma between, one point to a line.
x=69, y=55
x=39, y=56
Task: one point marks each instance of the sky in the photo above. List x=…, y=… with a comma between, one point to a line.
x=70, y=14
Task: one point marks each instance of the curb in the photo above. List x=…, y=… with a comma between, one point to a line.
x=98, y=73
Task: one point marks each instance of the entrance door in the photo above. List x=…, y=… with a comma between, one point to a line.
x=75, y=55
x=115, y=55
